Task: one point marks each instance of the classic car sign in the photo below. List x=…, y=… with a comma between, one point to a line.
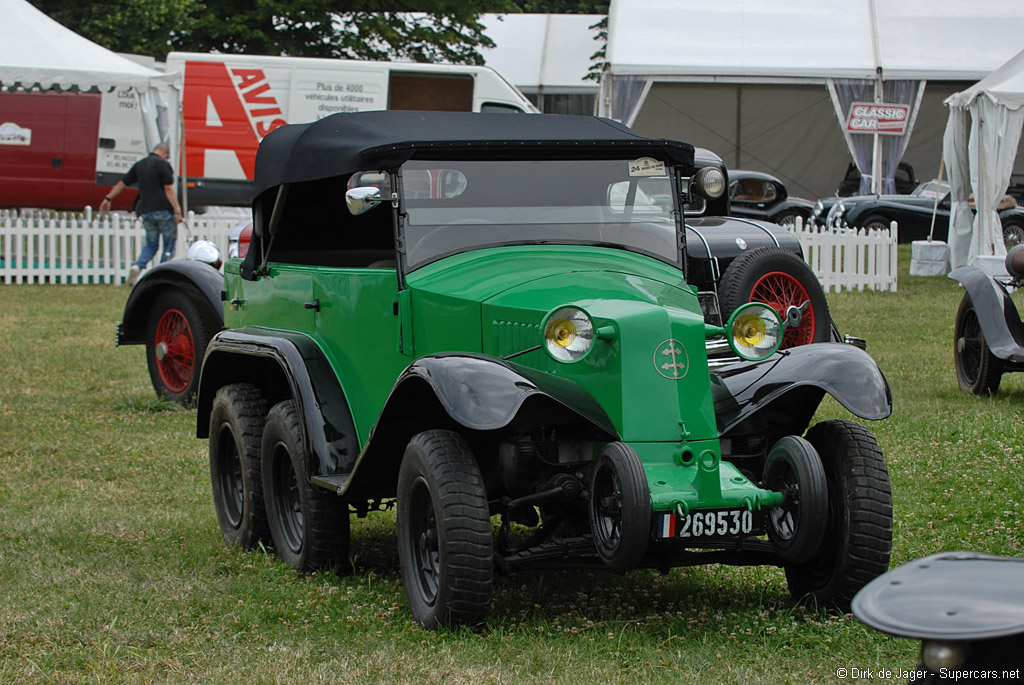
x=869, y=117
x=12, y=134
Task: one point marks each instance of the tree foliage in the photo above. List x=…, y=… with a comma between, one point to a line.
x=424, y=31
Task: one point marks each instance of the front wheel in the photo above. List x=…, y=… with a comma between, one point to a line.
x=309, y=526
x=1013, y=234
x=978, y=371
x=620, y=507
x=876, y=222
x=176, y=340
x=783, y=281
x=444, y=532
x=858, y=531
x=795, y=528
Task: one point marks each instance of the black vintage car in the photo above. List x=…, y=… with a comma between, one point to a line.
x=912, y=213
x=989, y=336
x=756, y=195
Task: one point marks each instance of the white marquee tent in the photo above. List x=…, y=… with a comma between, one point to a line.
x=750, y=79
x=980, y=146
x=37, y=52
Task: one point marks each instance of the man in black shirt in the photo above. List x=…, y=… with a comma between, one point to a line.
x=157, y=207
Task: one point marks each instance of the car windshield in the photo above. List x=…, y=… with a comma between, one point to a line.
x=931, y=189
x=453, y=207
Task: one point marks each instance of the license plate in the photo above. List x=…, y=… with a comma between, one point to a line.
x=713, y=523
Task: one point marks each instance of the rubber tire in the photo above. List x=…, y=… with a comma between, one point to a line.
x=876, y=222
x=1013, y=234
x=796, y=528
x=788, y=219
x=858, y=533
x=620, y=507
x=746, y=279
x=309, y=526
x=978, y=371
x=444, y=532
x=236, y=429
x=175, y=318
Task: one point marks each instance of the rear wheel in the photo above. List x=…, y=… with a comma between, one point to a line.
x=309, y=526
x=176, y=340
x=783, y=281
x=977, y=370
x=858, y=532
x=444, y=532
x=236, y=428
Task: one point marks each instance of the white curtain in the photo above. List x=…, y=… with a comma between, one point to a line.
x=995, y=132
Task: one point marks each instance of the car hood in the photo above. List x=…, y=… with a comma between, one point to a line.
x=548, y=273
x=728, y=237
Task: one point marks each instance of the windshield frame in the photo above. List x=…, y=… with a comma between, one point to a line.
x=671, y=215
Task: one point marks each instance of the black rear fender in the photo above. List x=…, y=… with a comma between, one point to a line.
x=483, y=398
x=201, y=282
x=997, y=315
x=787, y=388
x=284, y=366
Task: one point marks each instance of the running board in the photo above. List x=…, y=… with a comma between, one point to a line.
x=335, y=483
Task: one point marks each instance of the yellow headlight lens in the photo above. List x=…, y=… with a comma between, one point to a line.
x=568, y=334
x=754, y=331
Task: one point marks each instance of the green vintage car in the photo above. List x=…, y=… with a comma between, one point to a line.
x=485, y=322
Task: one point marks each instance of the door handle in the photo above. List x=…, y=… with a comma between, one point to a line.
x=315, y=304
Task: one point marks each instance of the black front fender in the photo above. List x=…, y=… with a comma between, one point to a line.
x=285, y=366
x=467, y=393
x=997, y=315
x=802, y=376
x=201, y=281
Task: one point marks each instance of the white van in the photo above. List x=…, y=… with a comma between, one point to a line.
x=230, y=102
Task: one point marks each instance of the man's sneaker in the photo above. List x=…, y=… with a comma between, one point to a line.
x=133, y=275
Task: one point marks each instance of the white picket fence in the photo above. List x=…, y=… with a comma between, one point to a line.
x=855, y=259
x=51, y=247
x=60, y=247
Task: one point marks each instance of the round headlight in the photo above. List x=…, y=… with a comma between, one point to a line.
x=709, y=182
x=754, y=331
x=937, y=656
x=568, y=334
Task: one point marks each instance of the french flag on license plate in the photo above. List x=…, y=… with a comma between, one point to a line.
x=667, y=526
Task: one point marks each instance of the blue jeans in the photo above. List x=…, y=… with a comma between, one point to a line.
x=158, y=225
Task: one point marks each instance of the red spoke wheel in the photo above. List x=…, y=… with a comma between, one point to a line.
x=176, y=340
x=783, y=281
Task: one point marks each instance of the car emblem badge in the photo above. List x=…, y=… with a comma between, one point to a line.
x=741, y=243
x=670, y=360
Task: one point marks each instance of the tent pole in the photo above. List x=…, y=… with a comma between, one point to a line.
x=935, y=209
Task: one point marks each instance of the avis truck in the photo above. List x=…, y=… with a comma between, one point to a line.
x=62, y=150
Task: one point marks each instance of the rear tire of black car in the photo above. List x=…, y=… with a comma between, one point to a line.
x=788, y=219
x=236, y=429
x=620, y=507
x=309, y=526
x=978, y=371
x=858, y=532
x=444, y=532
x=1013, y=234
x=176, y=340
x=780, y=279
x=796, y=528
x=876, y=222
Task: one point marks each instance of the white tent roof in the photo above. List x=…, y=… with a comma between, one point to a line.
x=542, y=51
x=34, y=49
x=908, y=39
x=1004, y=86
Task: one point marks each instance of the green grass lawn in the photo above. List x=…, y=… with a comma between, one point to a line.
x=112, y=567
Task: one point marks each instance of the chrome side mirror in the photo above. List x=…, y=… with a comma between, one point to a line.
x=362, y=200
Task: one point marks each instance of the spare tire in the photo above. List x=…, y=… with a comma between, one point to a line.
x=782, y=280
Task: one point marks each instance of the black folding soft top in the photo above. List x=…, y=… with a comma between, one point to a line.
x=361, y=141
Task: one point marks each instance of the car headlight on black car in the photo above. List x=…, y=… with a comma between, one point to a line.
x=709, y=182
